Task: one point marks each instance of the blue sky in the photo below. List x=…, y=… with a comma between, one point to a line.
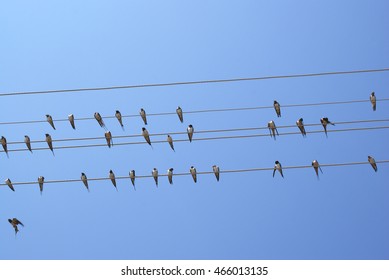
x=72, y=44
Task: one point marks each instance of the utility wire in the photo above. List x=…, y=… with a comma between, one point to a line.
x=197, y=82
x=198, y=139
x=201, y=111
x=200, y=173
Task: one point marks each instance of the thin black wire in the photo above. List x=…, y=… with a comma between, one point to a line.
x=197, y=82
x=198, y=139
x=200, y=173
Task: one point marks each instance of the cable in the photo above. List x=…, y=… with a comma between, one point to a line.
x=200, y=173
x=199, y=139
x=200, y=111
x=198, y=82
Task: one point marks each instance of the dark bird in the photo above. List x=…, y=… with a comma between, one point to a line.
x=50, y=121
x=325, y=122
x=272, y=129
x=146, y=135
x=71, y=120
x=277, y=107
x=118, y=115
x=108, y=137
x=316, y=166
x=180, y=114
x=373, y=163
x=170, y=141
x=15, y=222
x=99, y=119
x=300, y=125
x=28, y=142
x=373, y=100
x=9, y=184
x=190, y=131
x=49, y=142
x=41, y=180
x=216, y=171
x=4, y=144
x=170, y=175
x=143, y=115
x=132, y=177
x=278, y=167
x=193, y=172
x=112, y=177
x=155, y=175
x=84, y=179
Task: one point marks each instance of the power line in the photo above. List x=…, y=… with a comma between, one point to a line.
x=199, y=139
x=197, y=82
x=200, y=173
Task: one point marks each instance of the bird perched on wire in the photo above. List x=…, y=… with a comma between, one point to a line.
x=170, y=175
x=216, y=171
x=170, y=141
x=108, y=137
x=3, y=141
x=27, y=141
x=113, y=180
x=278, y=167
x=277, y=107
x=154, y=172
x=41, y=180
x=84, y=179
x=9, y=184
x=272, y=129
x=316, y=166
x=300, y=125
x=50, y=121
x=325, y=122
x=99, y=119
x=118, y=115
x=15, y=222
x=193, y=172
x=190, y=131
x=49, y=141
x=373, y=100
x=71, y=120
x=132, y=177
x=143, y=115
x=180, y=114
x=373, y=163
x=146, y=135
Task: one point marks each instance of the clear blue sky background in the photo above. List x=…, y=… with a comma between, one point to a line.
x=72, y=44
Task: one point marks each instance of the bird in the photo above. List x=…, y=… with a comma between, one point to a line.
x=155, y=175
x=118, y=115
x=99, y=119
x=216, y=170
x=71, y=120
x=278, y=167
x=316, y=166
x=143, y=115
x=50, y=121
x=9, y=184
x=170, y=175
x=41, y=180
x=146, y=135
x=372, y=162
x=180, y=114
x=108, y=137
x=190, y=131
x=300, y=125
x=4, y=144
x=28, y=142
x=277, y=107
x=170, y=141
x=373, y=100
x=194, y=173
x=84, y=179
x=132, y=177
x=49, y=142
x=272, y=129
x=324, y=122
x=112, y=177
x=15, y=222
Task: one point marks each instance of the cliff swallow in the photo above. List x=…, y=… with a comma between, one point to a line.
x=50, y=121
x=49, y=142
x=373, y=163
x=41, y=180
x=300, y=125
x=99, y=119
x=84, y=179
x=28, y=142
x=132, y=177
x=4, y=144
x=277, y=107
x=71, y=120
x=190, y=131
x=324, y=122
x=108, y=137
x=15, y=222
x=9, y=184
x=170, y=141
x=146, y=135
x=118, y=115
x=194, y=173
x=155, y=175
x=278, y=167
x=112, y=177
x=316, y=166
x=272, y=129
x=373, y=101
x=179, y=113
x=170, y=175
x=143, y=115
x=216, y=170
